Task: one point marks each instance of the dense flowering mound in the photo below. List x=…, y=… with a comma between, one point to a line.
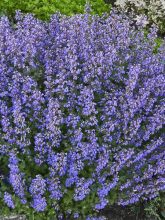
x=82, y=110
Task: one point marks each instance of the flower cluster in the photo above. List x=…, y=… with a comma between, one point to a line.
x=37, y=189
x=16, y=178
x=8, y=200
x=82, y=111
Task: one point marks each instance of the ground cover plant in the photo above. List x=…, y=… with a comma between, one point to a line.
x=82, y=111
x=43, y=9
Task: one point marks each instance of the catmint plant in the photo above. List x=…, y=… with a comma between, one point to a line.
x=81, y=113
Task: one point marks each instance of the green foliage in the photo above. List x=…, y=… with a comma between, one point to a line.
x=156, y=208
x=158, y=42
x=44, y=8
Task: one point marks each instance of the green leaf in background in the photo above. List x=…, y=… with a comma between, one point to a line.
x=44, y=8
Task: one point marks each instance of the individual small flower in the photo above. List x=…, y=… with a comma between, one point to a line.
x=39, y=203
x=37, y=186
x=82, y=188
x=16, y=178
x=87, y=7
x=60, y=216
x=8, y=200
x=37, y=189
x=76, y=215
x=102, y=204
x=54, y=187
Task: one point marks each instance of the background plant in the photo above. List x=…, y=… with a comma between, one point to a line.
x=43, y=9
x=148, y=11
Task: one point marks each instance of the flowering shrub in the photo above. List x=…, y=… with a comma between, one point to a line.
x=81, y=114
x=152, y=11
